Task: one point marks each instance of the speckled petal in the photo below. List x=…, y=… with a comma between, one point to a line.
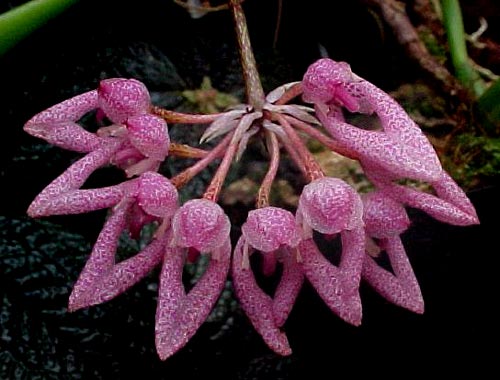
x=61, y=195
x=337, y=286
x=266, y=229
x=432, y=205
x=288, y=288
x=398, y=158
x=170, y=295
x=65, y=135
x=201, y=224
x=449, y=191
x=400, y=288
x=193, y=310
x=257, y=305
x=101, y=259
x=57, y=124
x=122, y=98
x=128, y=272
x=149, y=134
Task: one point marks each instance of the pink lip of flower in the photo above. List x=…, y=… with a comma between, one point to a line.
x=200, y=224
x=330, y=206
x=386, y=219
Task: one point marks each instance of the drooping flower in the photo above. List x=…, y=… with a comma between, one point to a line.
x=202, y=225
x=103, y=279
x=273, y=232
x=331, y=206
x=397, y=152
x=142, y=138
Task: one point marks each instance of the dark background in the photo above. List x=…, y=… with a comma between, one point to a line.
x=158, y=43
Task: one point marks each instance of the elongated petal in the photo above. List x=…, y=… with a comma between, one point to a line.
x=102, y=258
x=258, y=306
x=170, y=295
x=432, y=205
x=128, y=272
x=400, y=288
x=194, y=309
x=67, y=111
x=61, y=197
x=398, y=158
x=64, y=134
x=288, y=289
x=338, y=288
x=449, y=191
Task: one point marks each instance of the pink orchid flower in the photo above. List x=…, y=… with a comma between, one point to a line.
x=399, y=151
x=273, y=232
x=330, y=206
x=202, y=225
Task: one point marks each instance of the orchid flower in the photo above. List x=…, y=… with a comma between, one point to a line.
x=202, y=225
x=274, y=233
x=330, y=206
x=399, y=151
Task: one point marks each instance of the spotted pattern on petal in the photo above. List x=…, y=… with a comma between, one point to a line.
x=122, y=98
x=201, y=224
x=268, y=228
x=329, y=205
x=149, y=134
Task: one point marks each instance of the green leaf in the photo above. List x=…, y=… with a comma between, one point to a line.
x=23, y=20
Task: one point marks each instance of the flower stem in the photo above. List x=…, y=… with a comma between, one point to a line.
x=213, y=190
x=184, y=118
x=265, y=187
x=184, y=177
x=312, y=168
x=255, y=92
x=319, y=136
x=186, y=151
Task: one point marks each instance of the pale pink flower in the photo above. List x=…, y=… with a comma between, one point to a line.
x=399, y=151
x=331, y=206
x=202, y=225
x=274, y=233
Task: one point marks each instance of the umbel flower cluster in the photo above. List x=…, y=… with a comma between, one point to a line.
x=134, y=137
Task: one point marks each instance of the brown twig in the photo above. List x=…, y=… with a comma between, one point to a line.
x=395, y=15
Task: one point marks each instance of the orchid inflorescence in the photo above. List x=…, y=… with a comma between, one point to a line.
x=136, y=140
